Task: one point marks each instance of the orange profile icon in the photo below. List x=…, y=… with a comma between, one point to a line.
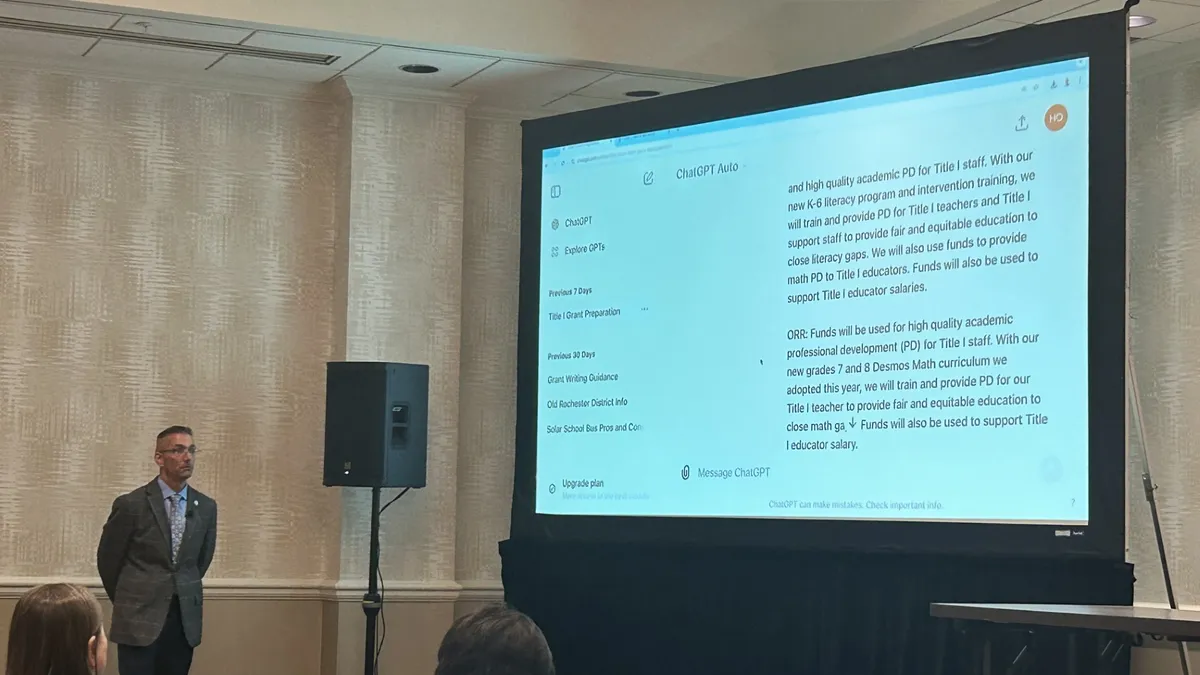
x=1056, y=117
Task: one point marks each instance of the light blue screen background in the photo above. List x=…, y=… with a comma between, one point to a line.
x=699, y=267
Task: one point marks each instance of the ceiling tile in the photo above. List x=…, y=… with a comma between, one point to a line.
x=574, y=103
x=615, y=85
x=1185, y=34
x=980, y=29
x=1142, y=47
x=348, y=52
x=47, y=14
x=1036, y=12
x=1175, y=23
x=184, y=30
x=278, y=70
x=385, y=63
x=129, y=54
x=524, y=83
x=1169, y=15
x=25, y=43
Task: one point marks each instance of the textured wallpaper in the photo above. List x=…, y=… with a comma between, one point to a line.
x=166, y=256
x=180, y=256
x=404, y=231
x=1164, y=194
x=487, y=409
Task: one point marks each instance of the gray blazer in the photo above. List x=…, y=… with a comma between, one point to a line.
x=134, y=560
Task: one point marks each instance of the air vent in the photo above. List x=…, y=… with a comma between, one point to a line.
x=160, y=41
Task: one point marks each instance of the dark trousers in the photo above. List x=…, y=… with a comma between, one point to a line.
x=170, y=654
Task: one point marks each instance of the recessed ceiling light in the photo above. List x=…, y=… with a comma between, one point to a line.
x=1140, y=21
x=419, y=69
x=642, y=93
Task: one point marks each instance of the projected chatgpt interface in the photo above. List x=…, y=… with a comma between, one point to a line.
x=870, y=308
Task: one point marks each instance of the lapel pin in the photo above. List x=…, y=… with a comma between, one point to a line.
x=196, y=503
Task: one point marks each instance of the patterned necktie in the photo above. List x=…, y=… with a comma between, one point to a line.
x=177, y=525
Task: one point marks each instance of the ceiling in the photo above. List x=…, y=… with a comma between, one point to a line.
x=731, y=38
x=527, y=85
x=519, y=84
x=1176, y=21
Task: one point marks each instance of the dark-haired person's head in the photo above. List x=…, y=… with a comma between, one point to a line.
x=175, y=455
x=57, y=629
x=495, y=640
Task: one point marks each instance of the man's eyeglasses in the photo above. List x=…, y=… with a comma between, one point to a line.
x=182, y=450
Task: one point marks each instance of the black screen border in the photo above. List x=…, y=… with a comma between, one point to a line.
x=1104, y=39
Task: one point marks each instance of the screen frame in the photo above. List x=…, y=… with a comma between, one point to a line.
x=1103, y=39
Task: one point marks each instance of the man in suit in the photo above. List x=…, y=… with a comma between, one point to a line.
x=155, y=549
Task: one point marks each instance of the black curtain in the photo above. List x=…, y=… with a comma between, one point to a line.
x=626, y=610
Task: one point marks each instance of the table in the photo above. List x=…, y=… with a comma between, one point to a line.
x=1117, y=627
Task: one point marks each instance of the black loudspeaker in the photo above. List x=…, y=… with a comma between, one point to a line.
x=376, y=417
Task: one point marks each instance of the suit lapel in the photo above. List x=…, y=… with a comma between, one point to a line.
x=155, y=497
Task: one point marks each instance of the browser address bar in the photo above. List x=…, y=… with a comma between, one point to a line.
x=625, y=152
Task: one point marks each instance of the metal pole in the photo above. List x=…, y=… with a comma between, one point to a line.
x=372, y=602
x=1149, y=488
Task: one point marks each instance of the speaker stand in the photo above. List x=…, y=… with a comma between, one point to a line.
x=1149, y=488
x=372, y=602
